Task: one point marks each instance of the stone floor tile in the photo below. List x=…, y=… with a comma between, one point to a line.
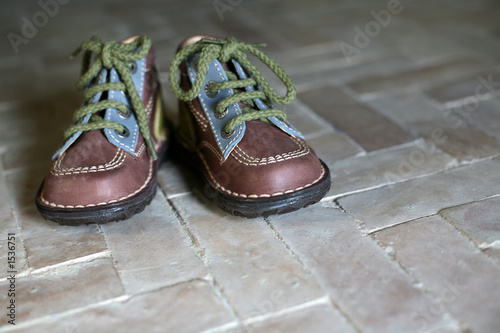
x=319, y=318
x=382, y=168
x=461, y=277
x=23, y=184
x=476, y=86
x=333, y=146
x=423, y=196
x=420, y=77
x=186, y=307
x=487, y=117
x=175, y=179
x=494, y=253
x=64, y=288
x=304, y=119
x=479, y=221
x=367, y=127
x=248, y=262
x=337, y=71
x=58, y=247
x=370, y=289
x=450, y=131
x=152, y=250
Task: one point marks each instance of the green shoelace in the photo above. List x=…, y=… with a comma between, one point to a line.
x=225, y=50
x=121, y=57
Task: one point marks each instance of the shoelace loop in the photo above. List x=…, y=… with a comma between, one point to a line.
x=225, y=50
x=111, y=55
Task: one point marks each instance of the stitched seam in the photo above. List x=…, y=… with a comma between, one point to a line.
x=254, y=196
x=104, y=203
x=199, y=118
x=271, y=161
x=58, y=169
x=114, y=160
x=141, y=150
x=133, y=143
x=212, y=148
x=208, y=117
x=82, y=171
x=304, y=150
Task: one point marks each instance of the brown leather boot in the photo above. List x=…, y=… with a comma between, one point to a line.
x=106, y=169
x=253, y=161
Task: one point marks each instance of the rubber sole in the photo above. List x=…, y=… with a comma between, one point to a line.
x=102, y=214
x=252, y=208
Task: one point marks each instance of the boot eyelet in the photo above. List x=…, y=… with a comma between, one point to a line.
x=133, y=68
x=210, y=94
x=124, y=115
x=226, y=135
x=220, y=115
x=125, y=134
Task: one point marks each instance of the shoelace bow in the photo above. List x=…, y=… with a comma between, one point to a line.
x=121, y=57
x=225, y=50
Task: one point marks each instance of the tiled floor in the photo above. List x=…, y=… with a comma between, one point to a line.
x=399, y=98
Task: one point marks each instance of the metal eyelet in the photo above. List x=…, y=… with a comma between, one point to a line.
x=226, y=135
x=220, y=115
x=210, y=94
x=126, y=115
x=133, y=68
x=125, y=134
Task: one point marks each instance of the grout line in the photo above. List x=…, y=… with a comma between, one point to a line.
x=115, y=266
x=287, y=247
x=306, y=269
x=202, y=255
x=345, y=316
x=219, y=291
x=84, y=259
x=200, y=250
x=325, y=300
x=466, y=235
x=62, y=315
x=379, y=186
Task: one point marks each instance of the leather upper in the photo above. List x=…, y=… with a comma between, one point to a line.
x=95, y=169
x=260, y=160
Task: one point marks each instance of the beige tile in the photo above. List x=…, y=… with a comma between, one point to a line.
x=461, y=277
x=251, y=265
x=363, y=124
x=64, y=288
x=186, y=307
x=370, y=289
x=423, y=196
x=152, y=250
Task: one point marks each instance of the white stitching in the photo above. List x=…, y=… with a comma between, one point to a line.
x=202, y=102
x=104, y=203
x=58, y=171
x=219, y=186
x=199, y=118
x=304, y=150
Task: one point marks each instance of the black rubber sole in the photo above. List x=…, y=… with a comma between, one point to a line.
x=252, y=208
x=101, y=214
